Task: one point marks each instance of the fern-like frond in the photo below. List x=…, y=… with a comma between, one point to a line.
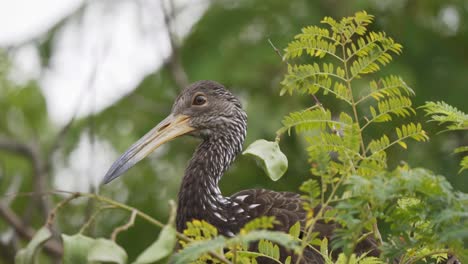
x=315, y=32
x=455, y=119
x=371, y=166
x=387, y=87
x=310, y=78
x=310, y=119
x=253, y=255
x=264, y=222
x=378, y=145
x=365, y=45
x=461, y=149
x=314, y=46
x=379, y=56
x=198, y=251
x=342, y=140
x=399, y=106
x=311, y=188
x=444, y=113
x=348, y=26
x=345, y=145
x=411, y=130
x=200, y=230
x=269, y=249
x=463, y=164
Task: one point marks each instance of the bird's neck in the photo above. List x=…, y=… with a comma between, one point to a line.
x=200, y=197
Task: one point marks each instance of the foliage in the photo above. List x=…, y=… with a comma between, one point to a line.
x=161, y=248
x=29, y=253
x=270, y=158
x=421, y=215
x=453, y=118
x=351, y=165
x=239, y=246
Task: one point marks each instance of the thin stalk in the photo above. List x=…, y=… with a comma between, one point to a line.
x=93, y=217
x=314, y=220
x=74, y=195
x=124, y=227
x=353, y=103
x=420, y=257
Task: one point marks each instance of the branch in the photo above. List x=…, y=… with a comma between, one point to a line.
x=116, y=204
x=93, y=217
x=51, y=247
x=175, y=63
x=284, y=60
x=15, y=147
x=124, y=227
x=31, y=152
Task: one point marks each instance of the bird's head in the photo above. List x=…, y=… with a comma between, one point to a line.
x=204, y=109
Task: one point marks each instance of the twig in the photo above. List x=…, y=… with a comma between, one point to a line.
x=172, y=215
x=283, y=59
x=422, y=256
x=316, y=217
x=53, y=213
x=125, y=227
x=93, y=217
x=52, y=247
x=31, y=153
x=150, y=220
x=276, y=50
x=109, y=201
x=175, y=63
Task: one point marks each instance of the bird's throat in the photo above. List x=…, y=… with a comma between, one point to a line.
x=200, y=197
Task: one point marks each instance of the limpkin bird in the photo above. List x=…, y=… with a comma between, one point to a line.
x=207, y=110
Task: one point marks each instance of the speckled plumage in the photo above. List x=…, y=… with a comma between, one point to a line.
x=210, y=112
x=222, y=128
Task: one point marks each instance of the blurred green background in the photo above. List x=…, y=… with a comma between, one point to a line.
x=229, y=44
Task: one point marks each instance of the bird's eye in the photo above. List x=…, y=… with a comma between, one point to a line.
x=199, y=100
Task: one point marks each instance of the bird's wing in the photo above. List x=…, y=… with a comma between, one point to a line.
x=286, y=207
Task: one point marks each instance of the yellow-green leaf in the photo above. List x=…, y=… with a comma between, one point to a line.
x=28, y=255
x=76, y=248
x=161, y=248
x=269, y=157
x=402, y=144
x=106, y=251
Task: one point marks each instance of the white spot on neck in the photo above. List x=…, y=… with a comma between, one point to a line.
x=242, y=197
x=220, y=216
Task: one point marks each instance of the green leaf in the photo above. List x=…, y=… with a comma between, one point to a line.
x=463, y=164
x=262, y=222
x=311, y=188
x=76, y=248
x=281, y=238
x=402, y=144
x=197, y=249
x=28, y=255
x=269, y=157
x=161, y=248
x=444, y=113
x=106, y=251
x=295, y=230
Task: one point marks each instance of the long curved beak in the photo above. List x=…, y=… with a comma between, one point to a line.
x=168, y=129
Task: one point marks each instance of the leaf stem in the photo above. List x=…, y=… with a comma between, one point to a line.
x=93, y=217
x=353, y=103
x=124, y=227
x=74, y=195
x=306, y=238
